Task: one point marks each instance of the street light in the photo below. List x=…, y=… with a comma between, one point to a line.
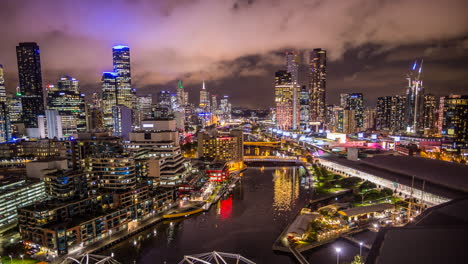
x=338, y=250
x=22, y=258
x=360, y=249
x=112, y=254
x=11, y=259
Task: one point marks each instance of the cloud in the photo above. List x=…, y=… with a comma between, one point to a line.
x=207, y=39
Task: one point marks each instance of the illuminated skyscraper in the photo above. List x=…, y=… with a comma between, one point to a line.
x=287, y=102
x=14, y=106
x=121, y=61
x=414, y=110
x=214, y=103
x=318, y=76
x=66, y=99
x=204, y=98
x=182, y=95
x=2, y=85
x=369, y=119
x=225, y=108
x=30, y=80
x=304, y=105
x=430, y=113
x=109, y=97
x=390, y=114
x=454, y=118
x=292, y=65
x=354, y=101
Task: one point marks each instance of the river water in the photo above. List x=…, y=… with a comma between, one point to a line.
x=245, y=222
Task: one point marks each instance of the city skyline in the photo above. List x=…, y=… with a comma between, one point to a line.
x=373, y=64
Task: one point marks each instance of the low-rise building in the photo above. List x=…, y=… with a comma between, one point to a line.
x=223, y=148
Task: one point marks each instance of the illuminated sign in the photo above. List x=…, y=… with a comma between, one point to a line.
x=360, y=135
x=374, y=136
x=396, y=139
x=148, y=125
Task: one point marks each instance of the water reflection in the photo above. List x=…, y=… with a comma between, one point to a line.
x=286, y=189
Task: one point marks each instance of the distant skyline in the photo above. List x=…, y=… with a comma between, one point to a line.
x=236, y=46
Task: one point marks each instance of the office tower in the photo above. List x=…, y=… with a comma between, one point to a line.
x=164, y=100
x=122, y=121
x=304, y=106
x=414, y=109
x=143, y=109
x=349, y=121
x=354, y=101
x=335, y=118
x=287, y=106
x=121, y=62
x=5, y=126
x=54, y=124
x=182, y=95
x=225, y=108
x=15, y=108
x=66, y=98
x=318, y=75
x=370, y=115
x=283, y=78
x=214, y=103
x=204, y=99
x=390, y=113
x=109, y=97
x=430, y=113
x=30, y=80
x=174, y=102
x=2, y=86
x=292, y=65
x=454, y=118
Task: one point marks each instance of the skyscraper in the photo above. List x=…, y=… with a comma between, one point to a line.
x=121, y=62
x=454, y=118
x=30, y=80
x=304, y=105
x=2, y=85
x=354, y=101
x=182, y=95
x=109, y=97
x=369, y=119
x=225, y=108
x=318, y=75
x=430, y=113
x=292, y=65
x=69, y=103
x=414, y=110
x=287, y=101
x=204, y=98
x=214, y=103
x=390, y=114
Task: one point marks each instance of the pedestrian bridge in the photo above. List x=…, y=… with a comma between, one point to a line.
x=273, y=144
x=288, y=159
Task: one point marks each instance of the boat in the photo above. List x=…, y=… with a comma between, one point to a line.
x=184, y=213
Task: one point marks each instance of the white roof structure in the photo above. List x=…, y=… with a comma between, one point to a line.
x=90, y=259
x=215, y=257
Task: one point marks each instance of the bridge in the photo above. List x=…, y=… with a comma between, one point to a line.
x=274, y=159
x=273, y=144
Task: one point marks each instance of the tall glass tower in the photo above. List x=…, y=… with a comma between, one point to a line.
x=121, y=62
x=318, y=84
x=415, y=99
x=30, y=80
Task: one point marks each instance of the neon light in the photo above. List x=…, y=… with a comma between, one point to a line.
x=414, y=66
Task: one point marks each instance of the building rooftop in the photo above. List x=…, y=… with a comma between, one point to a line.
x=396, y=169
x=366, y=209
x=438, y=235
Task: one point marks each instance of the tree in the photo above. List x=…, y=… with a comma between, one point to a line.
x=357, y=260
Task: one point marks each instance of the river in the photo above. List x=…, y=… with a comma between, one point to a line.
x=245, y=222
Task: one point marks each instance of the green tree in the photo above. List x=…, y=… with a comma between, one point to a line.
x=357, y=260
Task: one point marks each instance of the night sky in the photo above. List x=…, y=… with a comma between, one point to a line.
x=236, y=46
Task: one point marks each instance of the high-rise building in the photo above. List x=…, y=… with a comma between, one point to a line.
x=214, y=103
x=283, y=78
x=287, y=106
x=225, y=108
x=354, y=101
x=30, y=80
x=318, y=85
x=370, y=115
x=109, y=97
x=414, y=109
x=204, y=99
x=2, y=85
x=292, y=65
x=182, y=95
x=54, y=124
x=164, y=100
x=121, y=62
x=304, y=106
x=66, y=98
x=14, y=106
x=5, y=126
x=430, y=113
x=454, y=118
x=349, y=121
x=94, y=114
x=143, y=109
x=390, y=113
x=122, y=121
